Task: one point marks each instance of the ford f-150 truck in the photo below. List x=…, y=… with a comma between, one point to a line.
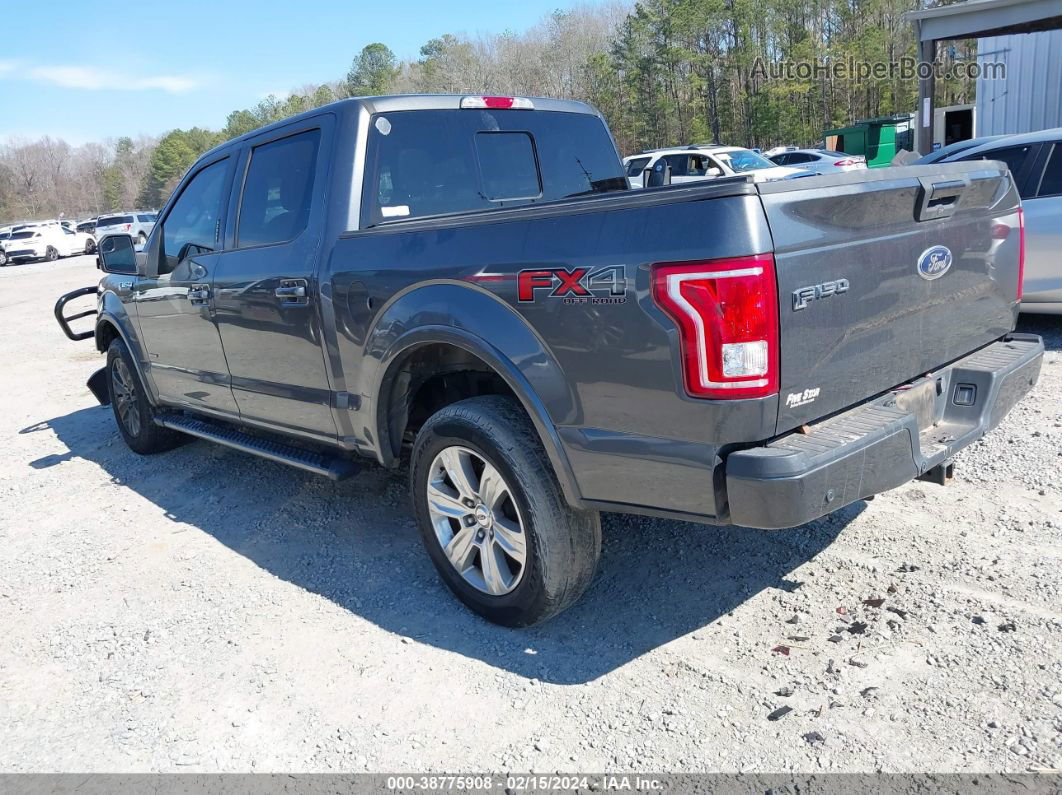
x=467, y=283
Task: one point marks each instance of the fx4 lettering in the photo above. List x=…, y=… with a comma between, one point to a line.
x=575, y=286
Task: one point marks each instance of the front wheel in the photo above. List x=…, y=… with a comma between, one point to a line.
x=132, y=411
x=492, y=516
x=3, y=257
x=90, y=246
x=51, y=254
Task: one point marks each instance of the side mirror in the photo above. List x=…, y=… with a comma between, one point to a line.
x=117, y=254
x=714, y=171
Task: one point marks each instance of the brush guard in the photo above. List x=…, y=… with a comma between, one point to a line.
x=65, y=321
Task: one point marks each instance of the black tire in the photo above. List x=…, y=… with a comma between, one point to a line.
x=51, y=254
x=132, y=412
x=90, y=246
x=562, y=544
x=3, y=257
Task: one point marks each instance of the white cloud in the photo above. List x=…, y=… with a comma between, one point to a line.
x=93, y=79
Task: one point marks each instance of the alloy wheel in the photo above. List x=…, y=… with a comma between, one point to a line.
x=476, y=521
x=124, y=396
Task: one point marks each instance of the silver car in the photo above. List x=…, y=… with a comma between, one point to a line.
x=1035, y=161
x=820, y=161
x=135, y=223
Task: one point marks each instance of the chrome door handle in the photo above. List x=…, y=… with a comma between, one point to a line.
x=292, y=292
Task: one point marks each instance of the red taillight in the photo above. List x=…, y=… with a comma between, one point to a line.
x=1021, y=252
x=128, y=227
x=727, y=316
x=846, y=162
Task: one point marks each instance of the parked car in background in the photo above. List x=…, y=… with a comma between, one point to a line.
x=951, y=151
x=5, y=235
x=820, y=161
x=47, y=242
x=88, y=226
x=135, y=223
x=703, y=161
x=1035, y=161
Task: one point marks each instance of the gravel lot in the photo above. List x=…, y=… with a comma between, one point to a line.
x=208, y=611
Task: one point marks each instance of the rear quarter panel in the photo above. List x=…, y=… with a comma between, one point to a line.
x=607, y=370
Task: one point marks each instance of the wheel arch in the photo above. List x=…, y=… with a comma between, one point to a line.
x=113, y=322
x=399, y=382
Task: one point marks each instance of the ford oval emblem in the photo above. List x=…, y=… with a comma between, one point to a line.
x=934, y=262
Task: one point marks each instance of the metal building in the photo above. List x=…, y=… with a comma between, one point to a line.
x=1030, y=97
x=1032, y=83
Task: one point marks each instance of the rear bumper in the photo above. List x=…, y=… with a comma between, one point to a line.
x=881, y=444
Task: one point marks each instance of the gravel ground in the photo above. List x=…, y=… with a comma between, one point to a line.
x=207, y=611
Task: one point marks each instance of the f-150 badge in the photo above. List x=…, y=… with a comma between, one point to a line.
x=813, y=292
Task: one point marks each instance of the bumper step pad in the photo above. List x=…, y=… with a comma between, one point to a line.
x=882, y=444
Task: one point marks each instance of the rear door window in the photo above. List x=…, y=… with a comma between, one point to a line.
x=637, y=166
x=278, y=190
x=115, y=220
x=435, y=162
x=1051, y=183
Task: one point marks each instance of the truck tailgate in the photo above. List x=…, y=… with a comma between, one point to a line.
x=886, y=275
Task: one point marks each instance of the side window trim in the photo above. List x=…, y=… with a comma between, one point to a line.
x=314, y=123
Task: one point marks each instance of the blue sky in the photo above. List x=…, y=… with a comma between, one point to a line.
x=85, y=71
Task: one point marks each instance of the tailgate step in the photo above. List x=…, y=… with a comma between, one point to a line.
x=332, y=467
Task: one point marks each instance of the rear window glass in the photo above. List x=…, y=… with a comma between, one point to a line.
x=434, y=162
x=113, y=220
x=23, y=235
x=1051, y=184
x=145, y=218
x=508, y=166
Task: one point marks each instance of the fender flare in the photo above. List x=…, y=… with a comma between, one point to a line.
x=527, y=367
x=112, y=312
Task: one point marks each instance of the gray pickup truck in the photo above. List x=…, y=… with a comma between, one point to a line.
x=467, y=283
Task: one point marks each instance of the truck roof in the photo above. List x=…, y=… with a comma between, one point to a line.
x=393, y=103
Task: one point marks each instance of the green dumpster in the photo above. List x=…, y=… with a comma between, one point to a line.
x=878, y=140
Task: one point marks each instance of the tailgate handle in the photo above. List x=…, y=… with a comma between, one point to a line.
x=938, y=199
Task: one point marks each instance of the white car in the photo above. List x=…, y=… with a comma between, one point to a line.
x=820, y=161
x=694, y=163
x=47, y=242
x=135, y=223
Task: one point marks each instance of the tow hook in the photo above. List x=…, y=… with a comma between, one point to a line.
x=941, y=474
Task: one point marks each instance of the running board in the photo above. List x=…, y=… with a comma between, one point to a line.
x=332, y=467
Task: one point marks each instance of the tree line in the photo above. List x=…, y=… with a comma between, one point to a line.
x=663, y=72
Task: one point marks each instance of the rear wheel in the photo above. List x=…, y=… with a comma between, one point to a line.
x=141, y=239
x=51, y=254
x=492, y=516
x=90, y=246
x=132, y=412
x=3, y=257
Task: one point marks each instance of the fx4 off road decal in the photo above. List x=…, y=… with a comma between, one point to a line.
x=575, y=286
